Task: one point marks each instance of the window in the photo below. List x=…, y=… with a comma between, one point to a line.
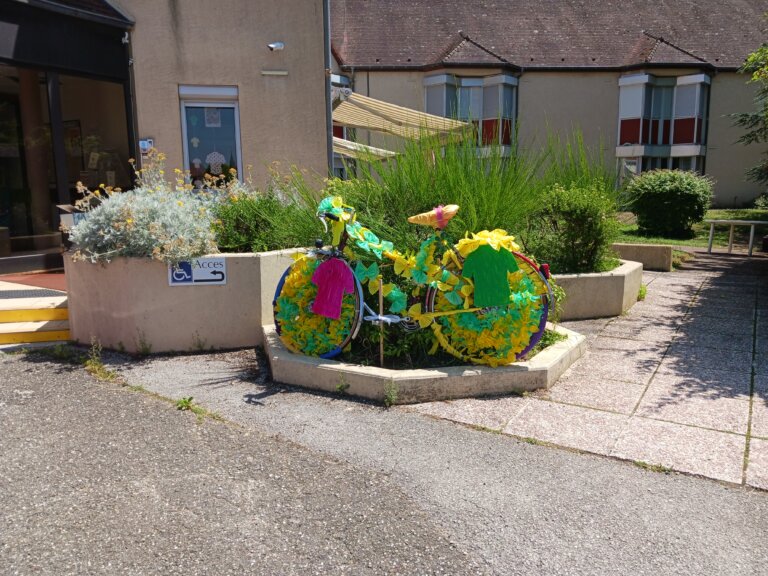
x=210, y=124
x=340, y=164
x=488, y=102
x=662, y=121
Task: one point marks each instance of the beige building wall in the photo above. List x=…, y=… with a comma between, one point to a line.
x=560, y=103
x=197, y=42
x=727, y=160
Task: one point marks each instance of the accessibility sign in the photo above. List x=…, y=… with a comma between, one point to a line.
x=198, y=272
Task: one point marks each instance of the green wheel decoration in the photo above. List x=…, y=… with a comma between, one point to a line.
x=497, y=335
x=300, y=329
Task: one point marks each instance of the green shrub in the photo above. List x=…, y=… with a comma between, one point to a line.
x=761, y=202
x=668, y=202
x=256, y=222
x=574, y=229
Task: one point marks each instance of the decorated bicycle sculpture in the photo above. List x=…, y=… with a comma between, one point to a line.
x=485, y=301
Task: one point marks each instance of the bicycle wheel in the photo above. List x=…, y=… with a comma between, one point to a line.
x=497, y=335
x=303, y=331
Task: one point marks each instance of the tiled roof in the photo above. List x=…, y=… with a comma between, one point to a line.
x=546, y=33
x=467, y=50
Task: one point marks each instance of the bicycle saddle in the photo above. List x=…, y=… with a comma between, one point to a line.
x=437, y=217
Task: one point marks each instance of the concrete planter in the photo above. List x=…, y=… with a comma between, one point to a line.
x=651, y=256
x=128, y=304
x=602, y=294
x=409, y=386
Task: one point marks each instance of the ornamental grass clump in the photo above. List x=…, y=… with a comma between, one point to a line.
x=154, y=220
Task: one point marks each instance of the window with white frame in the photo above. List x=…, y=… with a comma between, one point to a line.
x=340, y=164
x=490, y=103
x=210, y=125
x=663, y=121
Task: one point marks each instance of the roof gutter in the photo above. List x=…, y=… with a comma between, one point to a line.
x=328, y=100
x=50, y=6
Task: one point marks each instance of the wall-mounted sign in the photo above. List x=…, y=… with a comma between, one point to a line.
x=198, y=272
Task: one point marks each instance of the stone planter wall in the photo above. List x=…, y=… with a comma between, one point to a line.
x=128, y=304
x=423, y=385
x=651, y=256
x=603, y=294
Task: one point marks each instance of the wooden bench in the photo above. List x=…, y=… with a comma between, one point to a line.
x=732, y=224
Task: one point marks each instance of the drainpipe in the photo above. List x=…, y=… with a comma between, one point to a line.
x=327, y=63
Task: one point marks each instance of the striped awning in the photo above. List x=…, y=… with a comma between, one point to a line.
x=357, y=111
x=354, y=150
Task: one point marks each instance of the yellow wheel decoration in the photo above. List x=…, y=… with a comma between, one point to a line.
x=493, y=336
x=301, y=330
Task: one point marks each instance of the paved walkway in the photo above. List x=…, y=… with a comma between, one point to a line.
x=681, y=381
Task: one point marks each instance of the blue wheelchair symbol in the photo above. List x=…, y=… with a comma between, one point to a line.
x=182, y=273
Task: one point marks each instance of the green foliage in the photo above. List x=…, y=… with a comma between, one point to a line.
x=642, y=292
x=761, y=202
x=154, y=220
x=494, y=190
x=95, y=366
x=574, y=228
x=668, y=202
x=755, y=123
x=258, y=222
x=184, y=403
x=390, y=393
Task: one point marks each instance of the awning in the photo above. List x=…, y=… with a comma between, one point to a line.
x=354, y=150
x=357, y=111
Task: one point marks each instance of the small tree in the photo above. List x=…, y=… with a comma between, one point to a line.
x=756, y=122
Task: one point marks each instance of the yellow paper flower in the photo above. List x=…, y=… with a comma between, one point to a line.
x=494, y=238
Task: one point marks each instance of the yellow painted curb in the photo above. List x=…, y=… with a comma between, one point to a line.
x=28, y=337
x=34, y=315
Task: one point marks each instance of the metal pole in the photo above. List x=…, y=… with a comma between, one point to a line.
x=327, y=64
x=381, y=324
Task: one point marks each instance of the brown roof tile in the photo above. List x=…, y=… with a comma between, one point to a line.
x=546, y=33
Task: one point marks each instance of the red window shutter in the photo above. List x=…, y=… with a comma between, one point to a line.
x=506, y=132
x=646, y=131
x=490, y=132
x=665, y=131
x=629, y=131
x=684, y=130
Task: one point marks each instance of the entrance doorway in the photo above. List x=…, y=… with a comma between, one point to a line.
x=55, y=131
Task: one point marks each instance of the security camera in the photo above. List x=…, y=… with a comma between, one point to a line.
x=275, y=46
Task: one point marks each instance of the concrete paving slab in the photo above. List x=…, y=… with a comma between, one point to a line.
x=657, y=307
x=760, y=417
x=616, y=343
x=672, y=402
x=761, y=362
x=761, y=387
x=718, y=455
x=570, y=426
x=625, y=365
x=697, y=309
x=726, y=325
x=588, y=328
x=686, y=359
x=757, y=469
x=644, y=330
x=704, y=300
x=612, y=395
x=707, y=339
x=704, y=383
x=491, y=413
